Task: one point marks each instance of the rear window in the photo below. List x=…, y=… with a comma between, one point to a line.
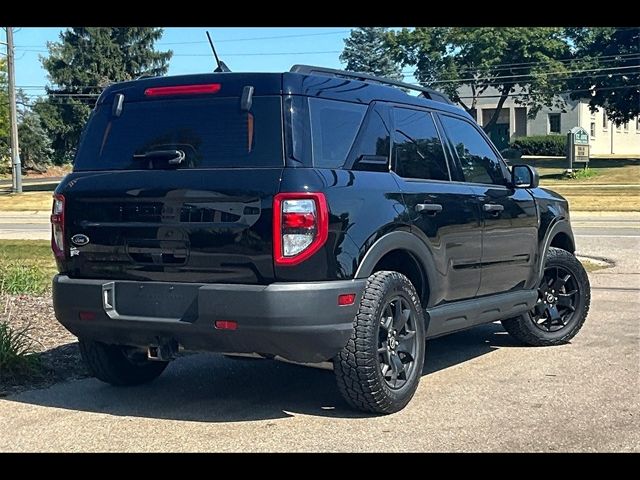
x=208, y=133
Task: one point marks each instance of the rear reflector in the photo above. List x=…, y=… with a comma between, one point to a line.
x=183, y=90
x=87, y=315
x=346, y=299
x=226, y=325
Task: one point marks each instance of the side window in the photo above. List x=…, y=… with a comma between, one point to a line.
x=334, y=126
x=479, y=163
x=371, y=150
x=417, y=149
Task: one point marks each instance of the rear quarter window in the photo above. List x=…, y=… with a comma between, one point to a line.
x=334, y=126
x=212, y=133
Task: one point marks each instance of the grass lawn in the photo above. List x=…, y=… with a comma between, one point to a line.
x=585, y=194
x=29, y=201
x=610, y=171
x=26, y=266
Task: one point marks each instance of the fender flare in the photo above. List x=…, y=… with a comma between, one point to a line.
x=398, y=240
x=561, y=226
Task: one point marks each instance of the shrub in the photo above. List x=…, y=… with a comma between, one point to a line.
x=544, y=145
x=17, y=356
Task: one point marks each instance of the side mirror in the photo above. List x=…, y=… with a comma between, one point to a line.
x=524, y=176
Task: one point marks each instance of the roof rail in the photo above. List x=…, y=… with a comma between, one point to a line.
x=365, y=77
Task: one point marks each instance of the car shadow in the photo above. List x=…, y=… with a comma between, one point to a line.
x=214, y=388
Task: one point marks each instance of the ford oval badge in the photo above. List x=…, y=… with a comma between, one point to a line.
x=80, y=239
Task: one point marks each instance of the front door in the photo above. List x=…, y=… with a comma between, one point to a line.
x=500, y=135
x=510, y=222
x=444, y=214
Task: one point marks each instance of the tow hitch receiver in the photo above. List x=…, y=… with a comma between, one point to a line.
x=163, y=352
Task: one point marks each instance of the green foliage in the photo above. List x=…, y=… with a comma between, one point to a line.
x=480, y=58
x=26, y=266
x=618, y=91
x=4, y=115
x=583, y=173
x=366, y=51
x=17, y=356
x=85, y=61
x=544, y=145
x=19, y=279
x=35, y=144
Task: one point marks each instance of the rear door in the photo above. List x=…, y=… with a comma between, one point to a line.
x=510, y=222
x=176, y=188
x=444, y=213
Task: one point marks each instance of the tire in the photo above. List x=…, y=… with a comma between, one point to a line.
x=112, y=364
x=526, y=328
x=359, y=366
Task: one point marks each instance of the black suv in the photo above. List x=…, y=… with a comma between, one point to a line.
x=311, y=215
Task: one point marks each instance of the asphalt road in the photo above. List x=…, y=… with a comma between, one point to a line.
x=479, y=392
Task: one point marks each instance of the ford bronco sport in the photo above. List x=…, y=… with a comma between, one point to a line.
x=311, y=215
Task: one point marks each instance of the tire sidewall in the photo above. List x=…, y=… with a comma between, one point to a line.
x=401, y=286
x=573, y=265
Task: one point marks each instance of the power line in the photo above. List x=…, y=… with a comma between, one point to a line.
x=55, y=94
x=250, y=39
x=513, y=66
x=531, y=75
x=560, y=93
x=301, y=35
x=254, y=54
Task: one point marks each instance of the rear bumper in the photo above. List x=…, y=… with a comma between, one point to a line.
x=298, y=321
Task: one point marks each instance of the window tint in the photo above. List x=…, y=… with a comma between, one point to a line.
x=417, y=148
x=334, y=126
x=371, y=151
x=210, y=133
x=479, y=163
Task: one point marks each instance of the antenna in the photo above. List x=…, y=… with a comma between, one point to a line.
x=222, y=67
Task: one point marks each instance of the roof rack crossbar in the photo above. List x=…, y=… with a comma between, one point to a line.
x=426, y=92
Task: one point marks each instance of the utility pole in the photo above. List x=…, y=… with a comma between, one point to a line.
x=13, y=116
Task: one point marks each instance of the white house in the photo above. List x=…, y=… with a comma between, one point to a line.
x=605, y=138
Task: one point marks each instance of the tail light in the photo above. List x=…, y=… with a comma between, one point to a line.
x=57, y=226
x=300, y=226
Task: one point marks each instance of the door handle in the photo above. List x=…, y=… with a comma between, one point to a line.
x=493, y=208
x=429, y=208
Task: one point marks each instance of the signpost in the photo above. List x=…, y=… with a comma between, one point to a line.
x=577, y=147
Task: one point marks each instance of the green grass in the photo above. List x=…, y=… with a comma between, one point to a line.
x=26, y=266
x=611, y=171
x=17, y=355
x=584, y=174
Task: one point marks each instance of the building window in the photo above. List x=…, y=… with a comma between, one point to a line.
x=593, y=130
x=605, y=121
x=554, y=123
x=625, y=125
x=638, y=124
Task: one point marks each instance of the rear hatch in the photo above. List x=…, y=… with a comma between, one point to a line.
x=177, y=184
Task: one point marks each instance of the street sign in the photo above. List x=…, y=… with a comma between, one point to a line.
x=577, y=146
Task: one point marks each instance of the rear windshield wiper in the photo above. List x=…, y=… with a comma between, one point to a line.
x=173, y=157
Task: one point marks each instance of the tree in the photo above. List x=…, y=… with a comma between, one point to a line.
x=528, y=61
x=609, y=59
x=367, y=51
x=35, y=144
x=85, y=61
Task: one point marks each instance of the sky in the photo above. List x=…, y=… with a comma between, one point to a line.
x=242, y=49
